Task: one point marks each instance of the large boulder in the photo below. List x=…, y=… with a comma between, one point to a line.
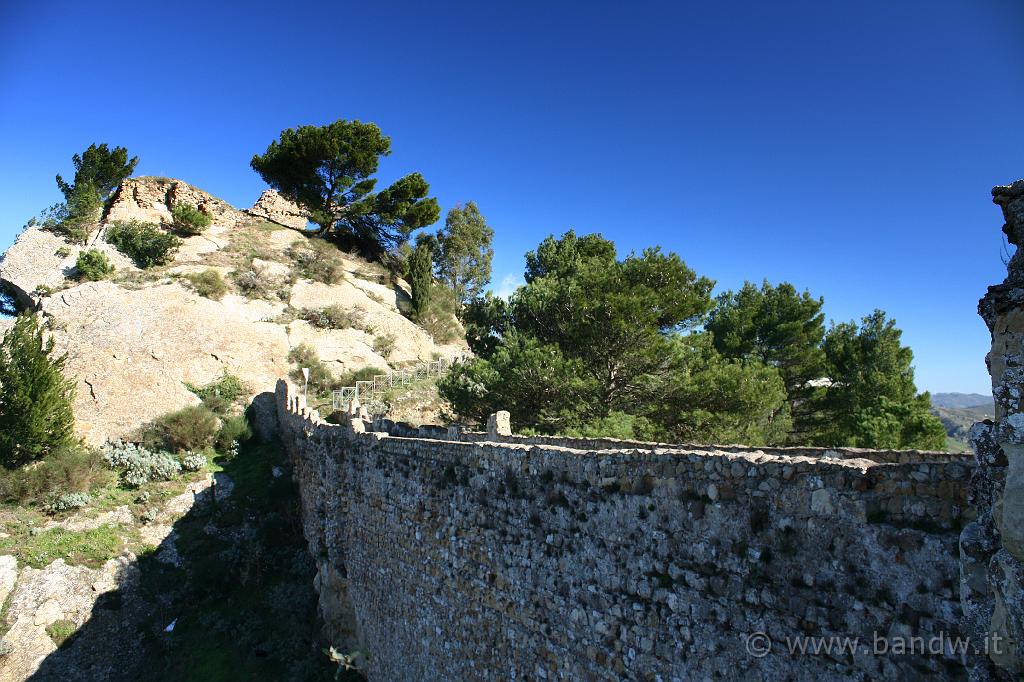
x=275, y=208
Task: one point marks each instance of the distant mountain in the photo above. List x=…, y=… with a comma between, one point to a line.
x=961, y=400
x=958, y=422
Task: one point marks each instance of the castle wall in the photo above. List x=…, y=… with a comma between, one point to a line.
x=992, y=547
x=476, y=560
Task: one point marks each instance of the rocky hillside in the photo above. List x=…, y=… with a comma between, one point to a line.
x=134, y=341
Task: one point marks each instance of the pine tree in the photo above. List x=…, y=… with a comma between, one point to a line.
x=35, y=398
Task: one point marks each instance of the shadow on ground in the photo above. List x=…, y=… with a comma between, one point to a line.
x=240, y=594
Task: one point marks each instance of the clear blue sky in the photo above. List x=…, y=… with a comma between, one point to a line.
x=848, y=148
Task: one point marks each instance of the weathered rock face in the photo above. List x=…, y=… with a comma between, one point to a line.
x=61, y=592
x=135, y=340
x=150, y=199
x=992, y=547
x=40, y=261
x=275, y=208
x=132, y=350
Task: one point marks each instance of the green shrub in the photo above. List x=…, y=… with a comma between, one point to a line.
x=233, y=430
x=145, y=243
x=218, y=396
x=61, y=631
x=320, y=378
x=208, y=283
x=188, y=220
x=318, y=260
x=361, y=374
x=71, y=469
x=332, y=317
x=93, y=265
x=35, y=398
x=190, y=428
x=384, y=345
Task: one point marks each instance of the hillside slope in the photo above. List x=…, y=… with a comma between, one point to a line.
x=133, y=342
x=960, y=400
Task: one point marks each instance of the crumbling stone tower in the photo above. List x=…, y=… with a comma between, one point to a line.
x=992, y=547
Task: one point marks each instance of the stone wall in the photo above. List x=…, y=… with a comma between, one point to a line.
x=472, y=559
x=992, y=547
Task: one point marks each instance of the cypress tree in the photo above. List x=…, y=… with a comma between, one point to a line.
x=35, y=399
x=421, y=276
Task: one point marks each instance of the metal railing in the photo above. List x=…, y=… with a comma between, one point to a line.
x=365, y=391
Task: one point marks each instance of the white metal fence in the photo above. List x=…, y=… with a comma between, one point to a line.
x=368, y=390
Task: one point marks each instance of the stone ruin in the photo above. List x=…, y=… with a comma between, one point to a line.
x=992, y=546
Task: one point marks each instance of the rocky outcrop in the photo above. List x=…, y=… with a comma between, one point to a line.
x=132, y=351
x=992, y=547
x=275, y=208
x=150, y=199
x=133, y=342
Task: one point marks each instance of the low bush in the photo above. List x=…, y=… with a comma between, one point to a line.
x=208, y=283
x=66, y=502
x=320, y=378
x=70, y=469
x=145, y=243
x=93, y=265
x=139, y=465
x=361, y=374
x=318, y=260
x=220, y=395
x=332, y=317
x=256, y=282
x=188, y=220
x=193, y=462
x=190, y=428
x=384, y=345
x=233, y=430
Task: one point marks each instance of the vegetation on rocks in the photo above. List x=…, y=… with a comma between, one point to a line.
x=332, y=317
x=317, y=260
x=189, y=221
x=208, y=284
x=145, y=243
x=218, y=396
x=93, y=265
x=321, y=380
x=66, y=470
x=191, y=428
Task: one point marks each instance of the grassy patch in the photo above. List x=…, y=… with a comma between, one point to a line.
x=90, y=547
x=61, y=631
